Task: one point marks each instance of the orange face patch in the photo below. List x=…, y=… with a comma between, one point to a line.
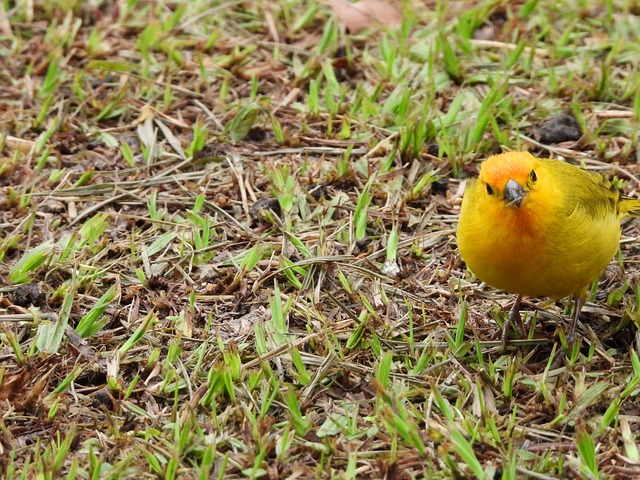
x=498, y=169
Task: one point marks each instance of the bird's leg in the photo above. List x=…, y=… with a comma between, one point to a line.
x=579, y=303
x=514, y=317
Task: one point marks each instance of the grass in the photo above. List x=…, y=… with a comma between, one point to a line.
x=228, y=242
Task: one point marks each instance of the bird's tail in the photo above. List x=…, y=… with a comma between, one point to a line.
x=629, y=207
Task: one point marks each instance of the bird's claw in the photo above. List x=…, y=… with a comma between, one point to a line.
x=516, y=320
x=571, y=336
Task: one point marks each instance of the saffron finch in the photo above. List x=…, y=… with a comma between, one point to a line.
x=541, y=228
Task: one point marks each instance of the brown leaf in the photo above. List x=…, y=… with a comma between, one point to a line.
x=13, y=384
x=33, y=397
x=19, y=144
x=366, y=13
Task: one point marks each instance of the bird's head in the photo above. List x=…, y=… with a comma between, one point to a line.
x=509, y=177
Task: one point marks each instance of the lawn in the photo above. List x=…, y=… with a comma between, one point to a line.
x=227, y=240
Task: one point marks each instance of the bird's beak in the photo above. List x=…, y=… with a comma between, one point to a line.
x=513, y=193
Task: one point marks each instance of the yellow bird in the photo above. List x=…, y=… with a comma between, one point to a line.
x=540, y=227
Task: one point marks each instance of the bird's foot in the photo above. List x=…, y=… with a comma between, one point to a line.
x=516, y=320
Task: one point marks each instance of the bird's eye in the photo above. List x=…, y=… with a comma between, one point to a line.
x=489, y=189
x=533, y=176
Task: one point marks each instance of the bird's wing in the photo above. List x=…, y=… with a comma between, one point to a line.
x=591, y=192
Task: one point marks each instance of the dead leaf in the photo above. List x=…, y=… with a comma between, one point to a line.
x=271, y=25
x=366, y=13
x=16, y=387
x=245, y=325
x=34, y=395
x=171, y=138
x=147, y=134
x=19, y=144
x=13, y=384
x=260, y=71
